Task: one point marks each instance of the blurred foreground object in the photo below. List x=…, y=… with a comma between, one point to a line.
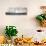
x=23, y=40
x=2, y=40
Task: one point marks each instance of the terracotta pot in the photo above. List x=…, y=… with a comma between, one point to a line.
x=43, y=23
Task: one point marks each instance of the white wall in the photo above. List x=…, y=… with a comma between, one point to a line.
x=26, y=25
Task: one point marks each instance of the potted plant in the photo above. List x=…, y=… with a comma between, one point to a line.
x=42, y=17
x=11, y=31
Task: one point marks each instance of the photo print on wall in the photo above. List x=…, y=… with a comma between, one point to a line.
x=16, y=11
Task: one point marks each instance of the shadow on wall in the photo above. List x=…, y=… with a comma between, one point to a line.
x=34, y=22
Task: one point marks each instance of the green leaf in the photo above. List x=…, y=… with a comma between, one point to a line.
x=10, y=31
x=45, y=16
x=40, y=18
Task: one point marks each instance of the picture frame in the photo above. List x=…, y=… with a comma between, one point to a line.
x=16, y=11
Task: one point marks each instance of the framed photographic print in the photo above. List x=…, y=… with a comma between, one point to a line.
x=16, y=11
